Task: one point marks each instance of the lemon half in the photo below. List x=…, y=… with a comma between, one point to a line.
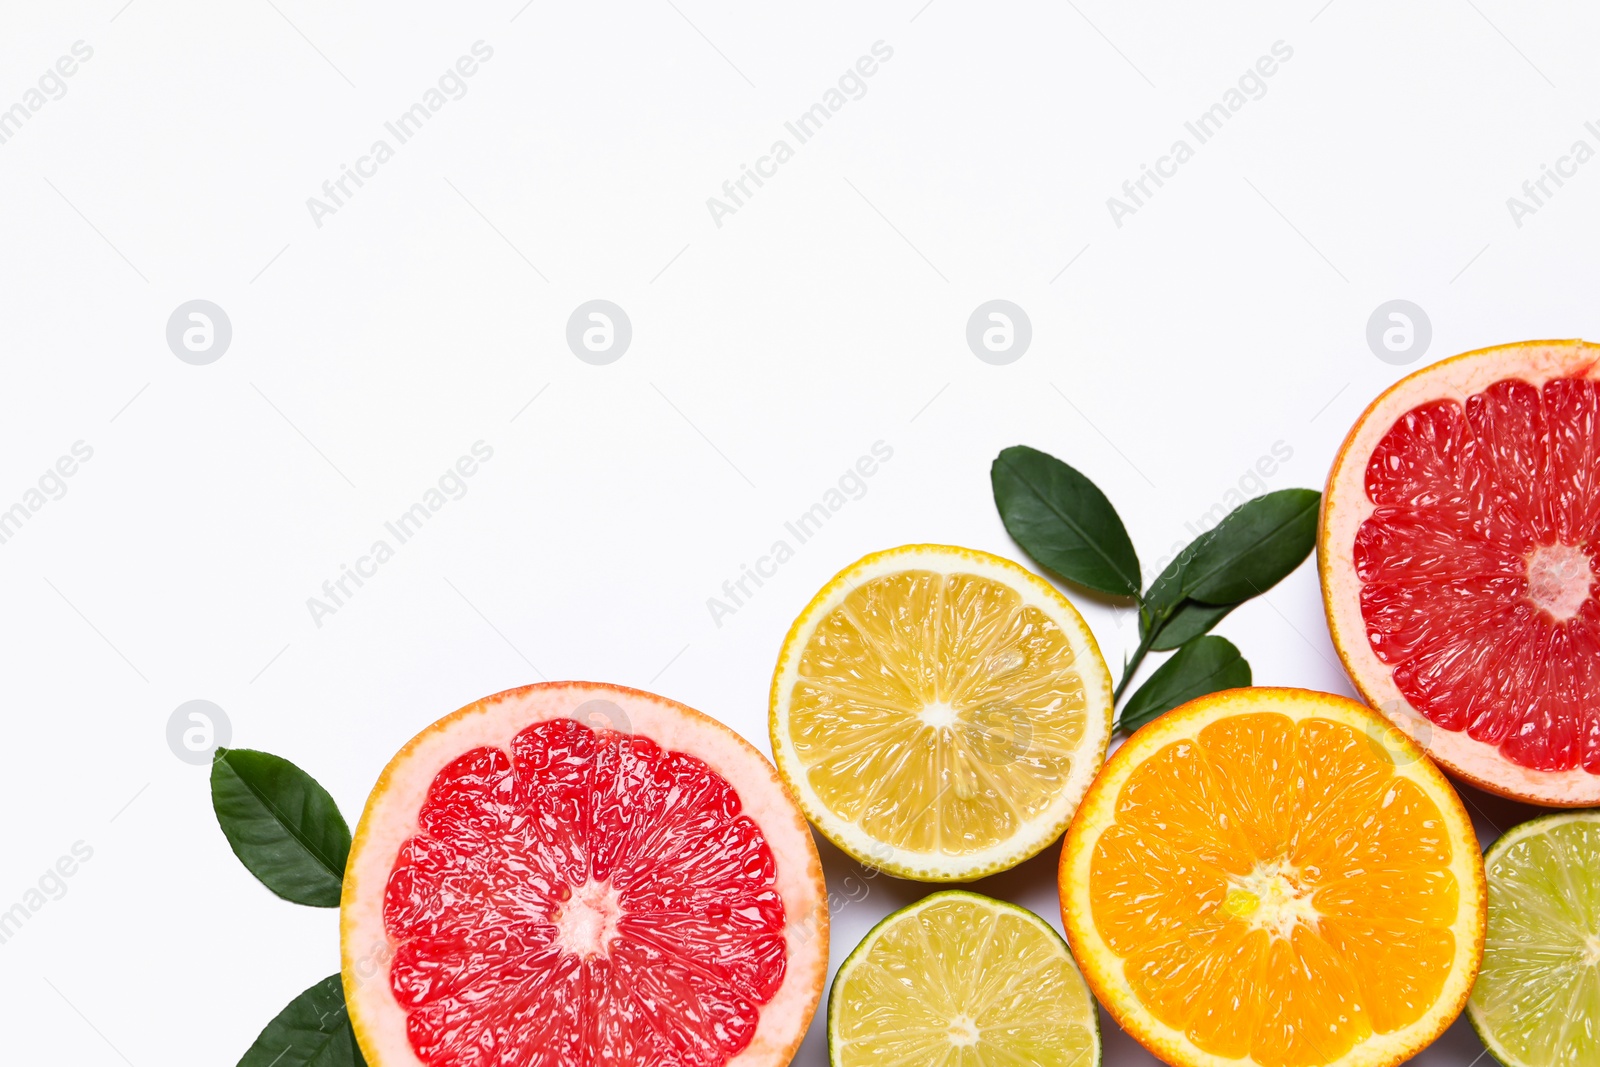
x=939, y=712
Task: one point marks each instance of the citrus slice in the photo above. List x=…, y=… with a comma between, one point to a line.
x=961, y=980
x=1459, y=542
x=1537, y=1001
x=1274, y=878
x=569, y=874
x=939, y=712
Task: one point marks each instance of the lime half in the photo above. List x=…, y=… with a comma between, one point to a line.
x=1537, y=1001
x=962, y=980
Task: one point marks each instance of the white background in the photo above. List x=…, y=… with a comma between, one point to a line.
x=1228, y=314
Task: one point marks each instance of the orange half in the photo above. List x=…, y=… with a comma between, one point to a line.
x=1275, y=877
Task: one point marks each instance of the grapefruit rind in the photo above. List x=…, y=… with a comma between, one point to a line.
x=1034, y=836
x=1481, y=1026
x=861, y=951
x=1345, y=506
x=1102, y=968
x=390, y=819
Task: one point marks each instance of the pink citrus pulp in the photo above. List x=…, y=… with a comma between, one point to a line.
x=574, y=874
x=1459, y=548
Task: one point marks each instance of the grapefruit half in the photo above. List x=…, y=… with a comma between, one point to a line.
x=573, y=874
x=1458, y=548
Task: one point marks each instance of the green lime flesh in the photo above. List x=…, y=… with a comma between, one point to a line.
x=962, y=980
x=1537, y=1001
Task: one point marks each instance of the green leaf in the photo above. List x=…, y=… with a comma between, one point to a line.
x=1177, y=617
x=1164, y=607
x=1254, y=548
x=1064, y=521
x=1166, y=592
x=1203, y=665
x=312, y=1031
x=1189, y=620
x=282, y=825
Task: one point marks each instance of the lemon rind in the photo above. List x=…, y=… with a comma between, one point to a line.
x=1032, y=837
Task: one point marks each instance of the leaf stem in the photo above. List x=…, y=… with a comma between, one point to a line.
x=1138, y=657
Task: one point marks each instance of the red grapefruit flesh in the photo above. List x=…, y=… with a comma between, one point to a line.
x=1460, y=558
x=572, y=874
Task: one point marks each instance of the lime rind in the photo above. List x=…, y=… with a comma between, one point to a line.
x=945, y=1045
x=1537, y=1001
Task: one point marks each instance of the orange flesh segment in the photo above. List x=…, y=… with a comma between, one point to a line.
x=1275, y=890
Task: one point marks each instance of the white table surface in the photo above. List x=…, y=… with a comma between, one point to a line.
x=375, y=344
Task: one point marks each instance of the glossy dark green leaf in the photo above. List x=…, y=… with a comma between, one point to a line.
x=312, y=1031
x=282, y=825
x=1174, y=618
x=1188, y=620
x=1166, y=592
x=1254, y=548
x=1203, y=665
x=1064, y=521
